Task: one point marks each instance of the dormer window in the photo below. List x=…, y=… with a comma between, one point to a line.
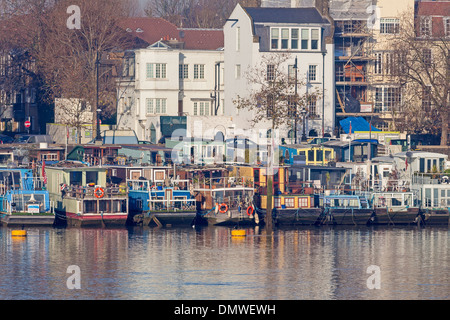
x=139, y=30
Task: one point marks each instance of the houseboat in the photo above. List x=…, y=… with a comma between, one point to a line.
x=434, y=197
x=342, y=209
x=296, y=209
x=392, y=208
x=23, y=199
x=82, y=197
x=154, y=204
x=224, y=197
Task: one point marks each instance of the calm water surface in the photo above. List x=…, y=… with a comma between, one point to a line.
x=145, y=263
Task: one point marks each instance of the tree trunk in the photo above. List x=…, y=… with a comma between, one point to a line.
x=444, y=127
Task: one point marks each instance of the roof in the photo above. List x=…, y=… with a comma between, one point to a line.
x=433, y=8
x=285, y=15
x=358, y=124
x=152, y=30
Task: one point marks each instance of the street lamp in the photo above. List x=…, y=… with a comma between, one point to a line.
x=97, y=108
x=303, y=112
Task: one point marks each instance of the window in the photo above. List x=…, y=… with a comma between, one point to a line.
x=426, y=98
x=270, y=72
x=284, y=38
x=447, y=26
x=314, y=39
x=389, y=26
x=275, y=36
x=277, y=202
x=294, y=38
x=184, y=71
x=238, y=71
x=149, y=105
x=270, y=106
x=305, y=39
x=156, y=106
x=199, y=71
x=388, y=63
x=303, y=202
x=392, y=98
x=238, y=38
x=288, y=38
x=291, y=106
x=312, y=106
x=201, y=108
x=312, y=73
x=426, y=57
x=291, y=73
x=156, y=70
x=378, y=63
x=425, y=26
x=289, y=202
x=386, y=98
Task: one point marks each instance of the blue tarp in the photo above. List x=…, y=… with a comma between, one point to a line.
x=358, y=124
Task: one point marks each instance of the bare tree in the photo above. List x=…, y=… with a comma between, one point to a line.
x=423, y=68
x=273, y=97
x=195, y=13
x=274, y=92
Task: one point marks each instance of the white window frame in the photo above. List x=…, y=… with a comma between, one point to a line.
x=156, y=70
x=292, y=38
x=389, y=25
x=312, y=73
x=199, y=71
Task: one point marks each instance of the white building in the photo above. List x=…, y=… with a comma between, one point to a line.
x=174, y=83
x=251, y=33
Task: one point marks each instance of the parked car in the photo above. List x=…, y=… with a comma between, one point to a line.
x=34, y=138
x=6, y=139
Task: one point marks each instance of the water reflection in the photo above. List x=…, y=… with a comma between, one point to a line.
x=207, y=263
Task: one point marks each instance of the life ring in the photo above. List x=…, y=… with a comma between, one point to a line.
x=223, y=210
x=250, y=210
x=99, y=192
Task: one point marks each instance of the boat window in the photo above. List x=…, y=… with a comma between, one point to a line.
x=319, y=155
x=408, y=200
x=435, y=197
x=427, y=197
x=76, y=178
x=91, y=177
x=396, y=201
x=310, y=155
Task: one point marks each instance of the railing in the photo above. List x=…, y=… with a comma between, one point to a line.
x=430, y=178
x=223, y=182
x=172, y=204
x=85, y=192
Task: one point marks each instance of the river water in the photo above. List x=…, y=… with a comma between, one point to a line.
x=207, y=264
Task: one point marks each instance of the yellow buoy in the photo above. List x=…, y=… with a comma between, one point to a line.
x=238, y=233
x=19, y=233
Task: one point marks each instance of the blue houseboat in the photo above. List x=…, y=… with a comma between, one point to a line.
x=159, y=205
x=342, y=209
x=24, y=199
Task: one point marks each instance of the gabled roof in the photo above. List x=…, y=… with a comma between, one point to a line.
x=286, y=15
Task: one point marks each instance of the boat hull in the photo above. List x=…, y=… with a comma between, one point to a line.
x=169, y=219
x=436, y=217
x=383, y=216
x=294, y=217
x=231, y=218
x=92, y=220
x=348, y=217
x=27, y=220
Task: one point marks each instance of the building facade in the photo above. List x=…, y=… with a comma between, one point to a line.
x=303, y=34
